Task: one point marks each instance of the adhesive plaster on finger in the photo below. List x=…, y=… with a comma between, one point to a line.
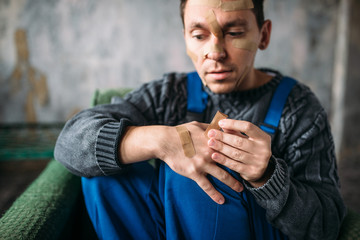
x=215, y=122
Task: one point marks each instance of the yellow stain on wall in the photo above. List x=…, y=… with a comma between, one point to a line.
x=24, y=70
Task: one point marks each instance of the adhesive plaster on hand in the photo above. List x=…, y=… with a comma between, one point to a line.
x=215, y=122
x=186, y=141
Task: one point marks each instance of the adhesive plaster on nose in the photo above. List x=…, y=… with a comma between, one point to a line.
x=186, y=141
x=213, y=48
x=215, y=122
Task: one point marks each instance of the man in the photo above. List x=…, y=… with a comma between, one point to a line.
x=239, y=183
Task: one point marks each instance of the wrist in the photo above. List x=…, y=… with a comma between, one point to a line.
x=266, y=176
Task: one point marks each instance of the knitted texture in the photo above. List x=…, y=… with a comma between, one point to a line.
x=42, y=211
x=350, y=228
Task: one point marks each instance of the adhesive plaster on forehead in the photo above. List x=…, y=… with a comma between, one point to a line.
x=186, y=141
x=245, y=44
x=236, y=5
x=225, y=6
x=215, y=122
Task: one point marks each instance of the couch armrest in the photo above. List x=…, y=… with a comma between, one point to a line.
x=43, y=210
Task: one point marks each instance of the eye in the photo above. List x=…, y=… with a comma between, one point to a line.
x=235, y=34
x=198, y=36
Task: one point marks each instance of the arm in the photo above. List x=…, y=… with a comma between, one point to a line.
x=162, y=142
x=301, y=196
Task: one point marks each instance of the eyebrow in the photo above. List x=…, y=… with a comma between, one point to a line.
x=235, y=23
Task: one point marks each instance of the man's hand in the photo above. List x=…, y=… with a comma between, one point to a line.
x=198, y=166
x=244, y=148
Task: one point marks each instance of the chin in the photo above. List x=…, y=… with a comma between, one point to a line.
x=220, y=89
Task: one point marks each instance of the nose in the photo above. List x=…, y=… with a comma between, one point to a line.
x=215, y=51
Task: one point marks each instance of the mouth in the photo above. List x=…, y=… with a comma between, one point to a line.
x=220, y=74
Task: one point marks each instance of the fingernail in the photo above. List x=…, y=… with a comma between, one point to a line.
x=221, y=123
x=221, y=201
x=211, y=133
x=211, y=142
x=215, y=156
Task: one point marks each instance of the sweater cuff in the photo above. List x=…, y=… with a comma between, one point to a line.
x=273, y=186
x=107, y=147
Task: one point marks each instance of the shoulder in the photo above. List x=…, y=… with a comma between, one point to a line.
x=303, y=116
x=161, y=88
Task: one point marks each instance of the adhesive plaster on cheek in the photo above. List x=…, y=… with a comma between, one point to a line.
x=192, y=55
x=215, y=122
x=245, y=44
x=186, y=141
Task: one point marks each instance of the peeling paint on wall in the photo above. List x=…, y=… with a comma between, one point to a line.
x=26, y=79
x=81, y=46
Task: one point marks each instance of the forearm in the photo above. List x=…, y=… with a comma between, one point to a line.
x=143, y=143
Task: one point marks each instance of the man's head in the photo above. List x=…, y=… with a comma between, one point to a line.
x=222, y=37
x=258, y=11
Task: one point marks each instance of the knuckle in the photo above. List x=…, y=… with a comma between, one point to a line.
x=238, y=155
x=247, y=126
x=239, y=142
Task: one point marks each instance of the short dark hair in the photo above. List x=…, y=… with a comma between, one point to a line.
x=258, y=11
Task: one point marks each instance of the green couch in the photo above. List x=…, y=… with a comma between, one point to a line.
x=52, y=207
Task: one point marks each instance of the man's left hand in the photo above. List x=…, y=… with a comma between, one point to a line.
x=244, y=148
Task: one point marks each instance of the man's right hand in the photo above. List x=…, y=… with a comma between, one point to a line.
x=198, y=166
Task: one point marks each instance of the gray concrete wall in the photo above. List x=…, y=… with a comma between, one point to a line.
x=76, y=47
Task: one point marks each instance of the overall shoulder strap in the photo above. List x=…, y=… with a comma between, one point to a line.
x=197, y=98
x=277, y=104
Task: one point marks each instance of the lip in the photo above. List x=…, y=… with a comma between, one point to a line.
x=219, y=74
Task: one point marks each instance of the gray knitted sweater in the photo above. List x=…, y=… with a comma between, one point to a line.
x=301, y=198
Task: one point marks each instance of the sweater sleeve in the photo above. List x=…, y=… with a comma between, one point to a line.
x=89, y=142
x=302, y=198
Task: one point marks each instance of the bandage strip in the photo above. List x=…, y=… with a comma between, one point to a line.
x=225, y=6
x=214, y=25
x=245, y=44
x=215, y=122
x=186, y=141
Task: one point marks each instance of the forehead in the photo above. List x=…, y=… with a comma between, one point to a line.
x=197, y=15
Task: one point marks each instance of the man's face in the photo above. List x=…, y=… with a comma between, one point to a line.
x=222, y=45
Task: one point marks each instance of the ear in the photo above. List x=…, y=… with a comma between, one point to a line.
x=265, y=33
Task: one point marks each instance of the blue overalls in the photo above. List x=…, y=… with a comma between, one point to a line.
x=156, y=203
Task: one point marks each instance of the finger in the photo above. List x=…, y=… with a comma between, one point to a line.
x=226, y=178
x=229, y=151
x=209, y=189
x=229, y=163
x=236, y=141
x=245, y=127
